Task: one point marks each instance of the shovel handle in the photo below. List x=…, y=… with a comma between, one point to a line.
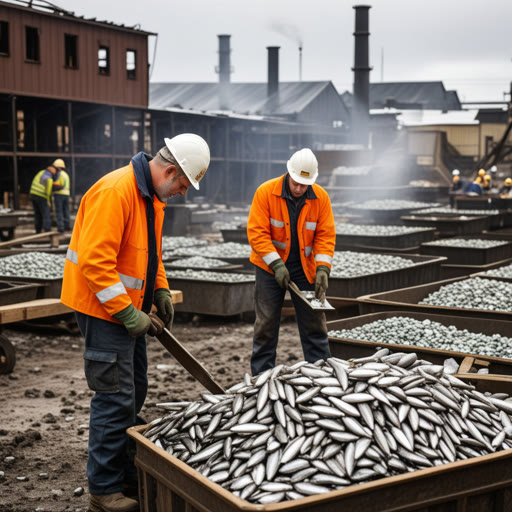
x=189, y=362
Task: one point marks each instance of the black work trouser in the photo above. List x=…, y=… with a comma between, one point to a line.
x=42, y=218
x=268, y=302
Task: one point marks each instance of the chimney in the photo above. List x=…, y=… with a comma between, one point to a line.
x=361, y=69
x=273, y=77
x=224, y=70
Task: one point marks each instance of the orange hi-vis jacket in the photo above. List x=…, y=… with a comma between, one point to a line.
x=268, y=228
x=107, y=259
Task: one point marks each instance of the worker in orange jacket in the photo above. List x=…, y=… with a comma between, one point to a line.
x=113, y=275
x=292, y=234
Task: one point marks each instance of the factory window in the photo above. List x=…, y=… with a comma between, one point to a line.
x=4, y=38
x=104, y=60
x=32, y=44
x=131, y=64
x=71, y=51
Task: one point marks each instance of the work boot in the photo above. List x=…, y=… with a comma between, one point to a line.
x=116, y=502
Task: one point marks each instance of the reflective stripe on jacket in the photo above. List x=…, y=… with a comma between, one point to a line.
x=42, y=185
x=107, y=259
x=268, y=228
x=63, y=182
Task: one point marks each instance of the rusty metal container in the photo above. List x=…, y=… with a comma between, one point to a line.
x=449, y=271
x=449, y=226
x=346, y=348
x=238, y=235
x=469, y=255
x=402, y=241
x=425, y=270
x=481, y=484
x=13, y=292
x=408, y=299
x=214, y=297
x=483, y=203
x=47, y=288
x=498, y=234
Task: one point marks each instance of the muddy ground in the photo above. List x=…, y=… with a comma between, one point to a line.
x=44, y=403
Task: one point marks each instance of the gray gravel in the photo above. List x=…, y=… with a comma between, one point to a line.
x=171, y=243
x=198, y=262
x=223, y=250
x=392, y=204
x=500, y=272
x=455, y=211
x=353, y=264
x=347, y=228
x=473, y=243
x=40, y=265
x=206, y=275
x=473, y=293
x=426, y=333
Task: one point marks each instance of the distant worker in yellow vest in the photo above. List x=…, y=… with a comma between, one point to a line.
x=41, y=196
x=506, y=188
x=61, y=192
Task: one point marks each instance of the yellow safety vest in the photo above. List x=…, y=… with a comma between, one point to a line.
x=39, y=189
x=63, y=182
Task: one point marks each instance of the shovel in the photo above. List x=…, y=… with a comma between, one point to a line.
x=309, y=298
x=189, y=362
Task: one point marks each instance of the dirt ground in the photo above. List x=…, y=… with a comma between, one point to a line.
x=44, y=403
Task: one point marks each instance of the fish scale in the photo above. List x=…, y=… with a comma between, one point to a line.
x=281, y=435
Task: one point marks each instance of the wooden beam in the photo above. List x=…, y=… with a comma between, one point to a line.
x=39, y=308
x=42, y=308
x=54, y=237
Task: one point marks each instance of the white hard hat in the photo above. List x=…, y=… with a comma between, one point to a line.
x=192, y=154
x=494, y=168
x=455, y=172
x=303, y=167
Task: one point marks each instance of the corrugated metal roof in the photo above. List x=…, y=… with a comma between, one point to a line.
x=409, y=96
x=244, y=98
x=415, y=95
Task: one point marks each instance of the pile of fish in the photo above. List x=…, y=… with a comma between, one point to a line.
x=392, y=204
x=222, y=251
x=206, y=275
x=347, y=228
x=426, y=333
x=473, y=293
x=310, y=428
x=353, y=264
x=39, y=265
x=171, y=243
x=198, y=262
x=470, y=243
x=454, y=211
x=505, y=272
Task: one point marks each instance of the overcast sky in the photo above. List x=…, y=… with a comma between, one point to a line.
x=464, y=43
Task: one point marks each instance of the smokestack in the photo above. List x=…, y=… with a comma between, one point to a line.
x=273, y=77
x=224, y=70
x=361, y=69
x=300, y=63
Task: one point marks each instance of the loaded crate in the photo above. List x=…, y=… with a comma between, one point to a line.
x=479, y=484
x=407, y=299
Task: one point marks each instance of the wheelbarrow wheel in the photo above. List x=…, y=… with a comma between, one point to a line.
x=7, y=355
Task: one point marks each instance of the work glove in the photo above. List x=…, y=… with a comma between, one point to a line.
x=281, y=273
x=321, y=282
x=164, y=307
x=137, y=323
x=157, y=325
